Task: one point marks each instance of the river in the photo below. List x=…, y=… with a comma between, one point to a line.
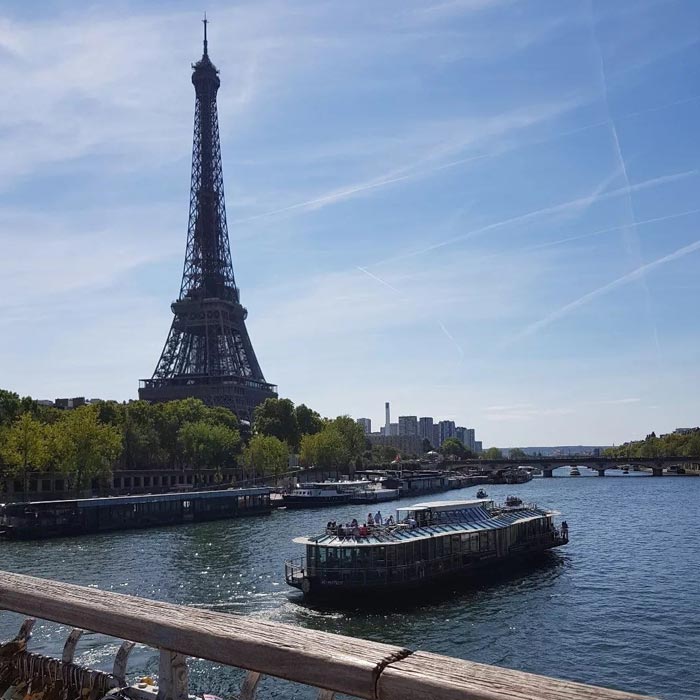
x=618, y=606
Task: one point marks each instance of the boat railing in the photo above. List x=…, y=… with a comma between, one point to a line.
x=330, y=663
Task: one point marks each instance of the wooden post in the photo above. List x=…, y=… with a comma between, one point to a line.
x=172, y=676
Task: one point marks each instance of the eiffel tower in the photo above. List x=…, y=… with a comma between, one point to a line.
x=208, y=354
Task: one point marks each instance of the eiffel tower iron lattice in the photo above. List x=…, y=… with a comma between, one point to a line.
x=208, y=353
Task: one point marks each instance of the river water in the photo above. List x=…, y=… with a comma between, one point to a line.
x=618, y=606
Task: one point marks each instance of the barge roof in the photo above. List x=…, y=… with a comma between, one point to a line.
x=480, y=522
x=150, y=497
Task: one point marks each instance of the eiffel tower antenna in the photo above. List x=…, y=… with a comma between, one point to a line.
x=208, y=353
x=205, y=21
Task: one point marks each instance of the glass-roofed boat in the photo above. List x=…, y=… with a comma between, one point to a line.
x=425, y=543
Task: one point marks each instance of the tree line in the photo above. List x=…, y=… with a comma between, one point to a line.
x=88, y=442
x=670, y=445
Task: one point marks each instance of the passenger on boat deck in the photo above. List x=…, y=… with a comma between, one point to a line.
x=412, y=522
x=363, y=530
x=370, y=519
x=354, y=522
x=378, y=518
x=356, y=530
x=339, y=530
x=390, y=520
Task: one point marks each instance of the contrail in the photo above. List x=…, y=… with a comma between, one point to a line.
x=394, y=176
x=636, y=274
x=630, y=235
x=440, y=324
x=379, y=279
x=609, y=229
x=554, y=209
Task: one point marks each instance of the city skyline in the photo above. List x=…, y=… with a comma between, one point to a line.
x=485, y=209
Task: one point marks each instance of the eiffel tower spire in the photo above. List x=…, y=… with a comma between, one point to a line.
x=208, y=353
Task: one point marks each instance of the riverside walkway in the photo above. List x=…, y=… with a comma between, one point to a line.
x=330, y=663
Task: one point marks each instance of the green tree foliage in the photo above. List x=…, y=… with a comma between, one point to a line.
x=452, y=447
x=277, y=418
x=265, y=455
x=671, y=445
x=84, y=447
x=493, y=453
x=208, y=446
x=308, y=420
x=23, y=446
x=337, y=446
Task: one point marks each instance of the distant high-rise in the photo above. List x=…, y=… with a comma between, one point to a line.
x=408, y=425
x=366, y=424
x=425, y=428
x=478, y=447
x=470, y=439
x=436, y=436
x=393, y=429
x=387, y=421
x=447, y=429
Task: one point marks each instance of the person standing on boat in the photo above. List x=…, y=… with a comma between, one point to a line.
x=370, y=520
x=378, y=518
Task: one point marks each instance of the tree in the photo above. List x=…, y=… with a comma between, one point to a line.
x=427, y=447
x=352, y=438
x=10, y=406
x=208, y=446
x=493, y=453
x=517, y=453
x=83, y=446
x=266, y=455
x=277, y=418
x=452, y=447
x=309, y=421
x=24, y=447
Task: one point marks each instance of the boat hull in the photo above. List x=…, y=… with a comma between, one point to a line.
x=480, y=571
x=315, y=501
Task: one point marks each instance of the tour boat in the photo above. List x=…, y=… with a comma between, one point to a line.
x=427, y=542
x=314, y=494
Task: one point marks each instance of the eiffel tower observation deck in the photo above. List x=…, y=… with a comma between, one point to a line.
x=208, y=353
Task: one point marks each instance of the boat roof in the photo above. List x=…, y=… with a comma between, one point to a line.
x=480, y=520
x=148, y=498
x=318, y=484
x=446, y=505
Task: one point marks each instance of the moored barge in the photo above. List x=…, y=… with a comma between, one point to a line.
x=318, y=494
x=426, y=543
x=41, y=519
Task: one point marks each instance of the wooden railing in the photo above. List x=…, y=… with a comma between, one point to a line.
x=329, y=662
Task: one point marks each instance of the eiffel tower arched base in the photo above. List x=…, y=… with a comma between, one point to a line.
x=239, y=395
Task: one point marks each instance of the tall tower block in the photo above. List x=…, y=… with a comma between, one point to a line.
x=208, y=353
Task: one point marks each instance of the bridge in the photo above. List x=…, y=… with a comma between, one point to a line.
x=600, y=464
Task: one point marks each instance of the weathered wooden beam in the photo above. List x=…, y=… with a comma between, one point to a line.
x=425, y=676
x=347, y=665
x=319, y=659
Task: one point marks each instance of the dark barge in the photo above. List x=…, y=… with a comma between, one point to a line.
x=428, y=542
x=41, y=519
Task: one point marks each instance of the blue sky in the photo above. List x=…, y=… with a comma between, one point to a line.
x=482, y=210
